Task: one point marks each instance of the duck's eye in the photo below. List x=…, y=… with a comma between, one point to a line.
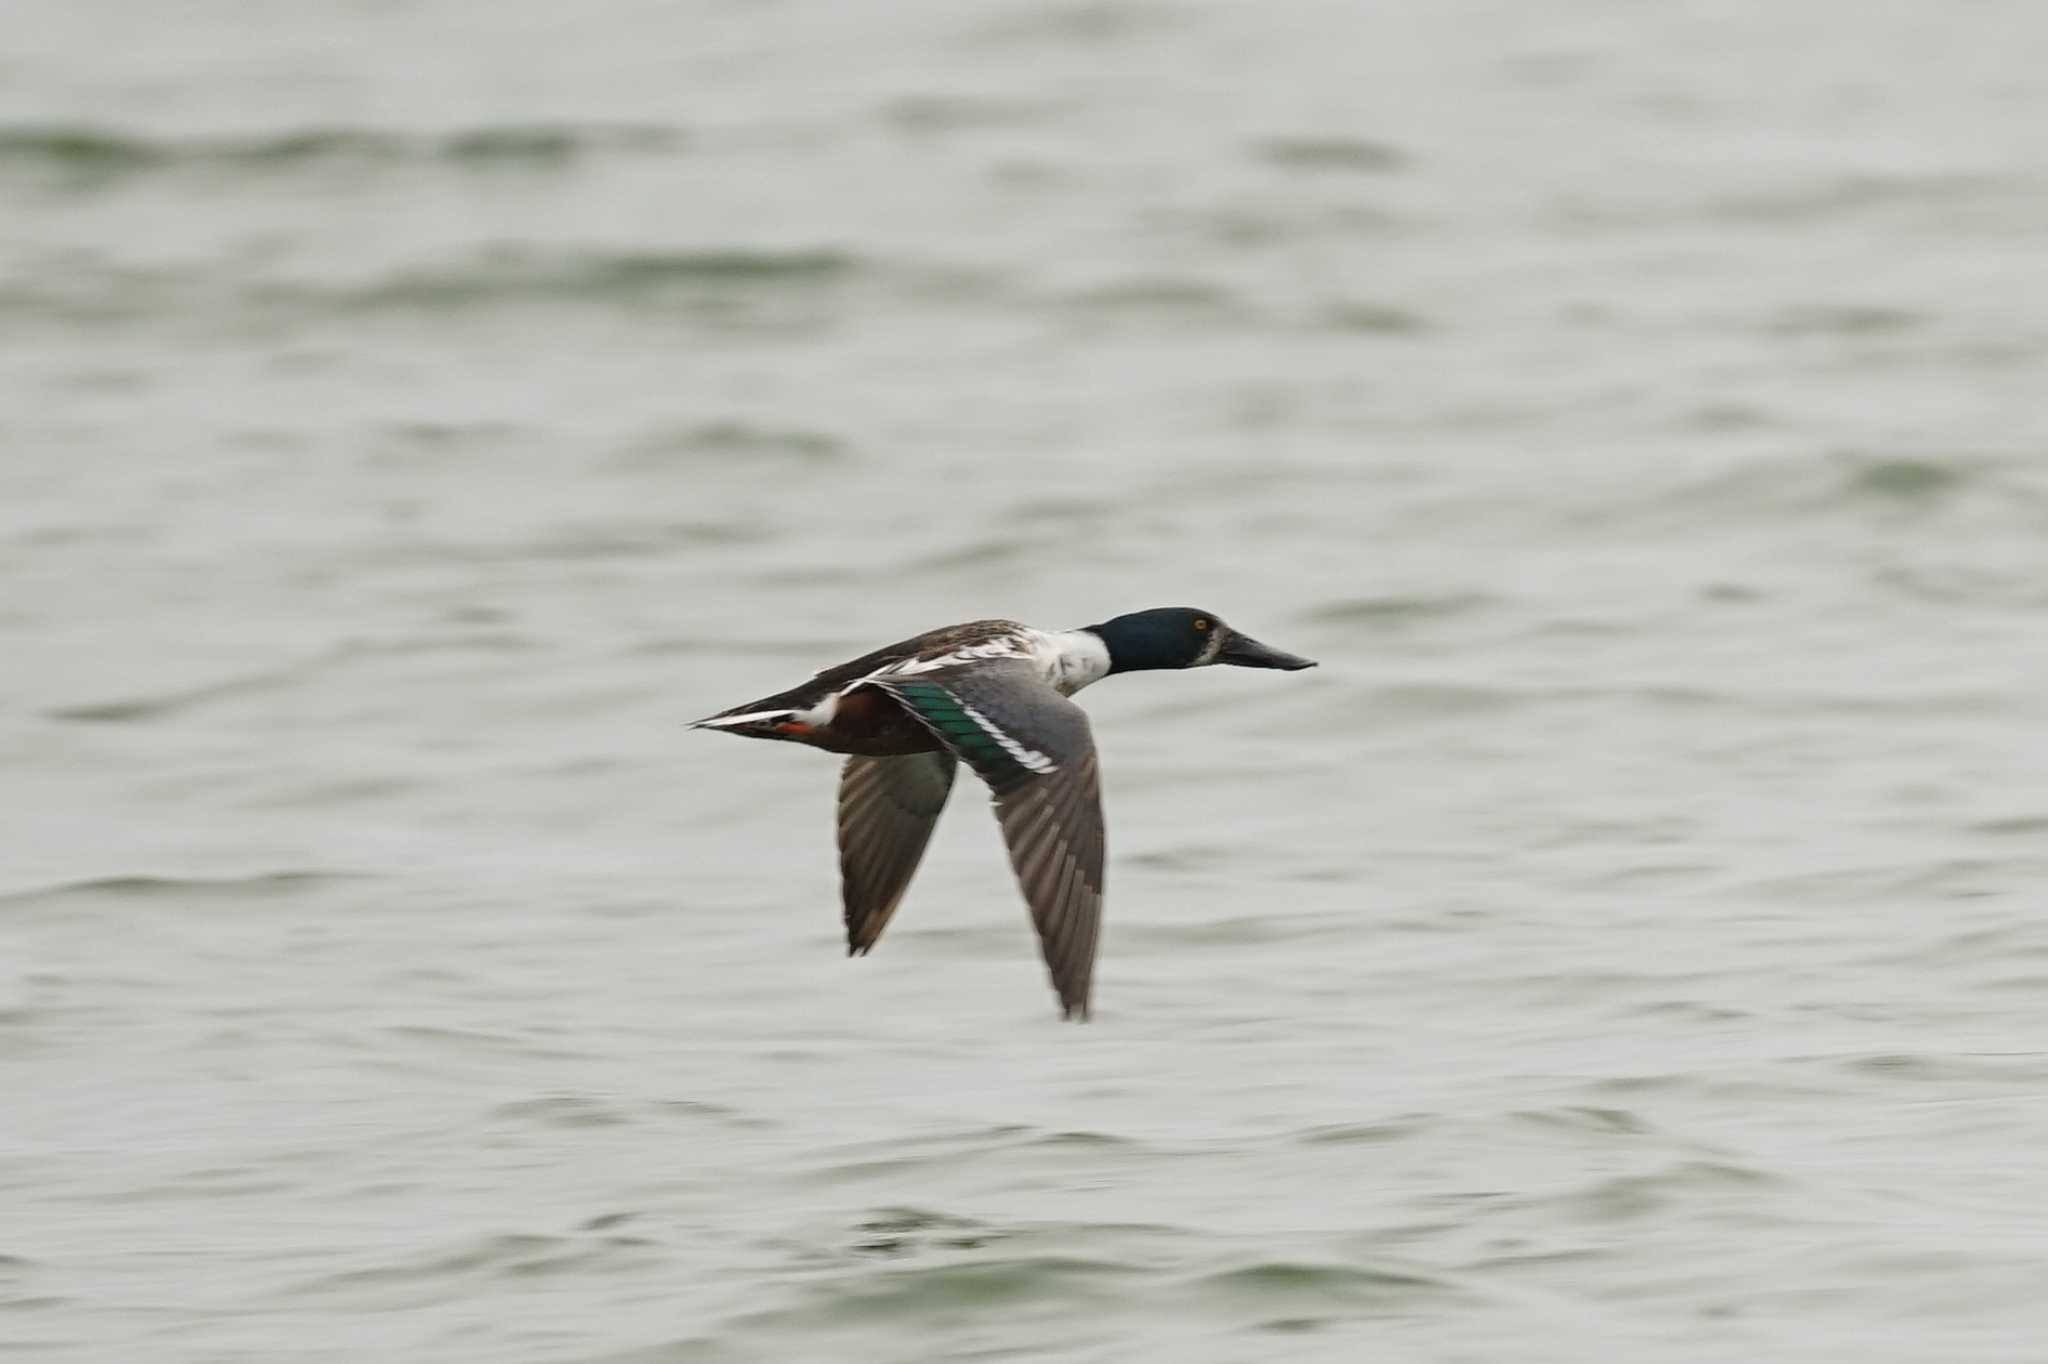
x=1201, y=625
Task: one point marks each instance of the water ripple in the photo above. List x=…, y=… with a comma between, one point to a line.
x=212, y=889
x=98, y=154
x=1325, y=153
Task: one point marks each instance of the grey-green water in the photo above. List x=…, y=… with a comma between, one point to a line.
x=1628, y=945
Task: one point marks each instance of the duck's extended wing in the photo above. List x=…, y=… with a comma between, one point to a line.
x=887, y=807
x=1033, y=747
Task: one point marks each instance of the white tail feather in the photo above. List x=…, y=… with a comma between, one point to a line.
x=726, y=721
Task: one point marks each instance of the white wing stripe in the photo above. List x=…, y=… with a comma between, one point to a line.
x=1028, y=757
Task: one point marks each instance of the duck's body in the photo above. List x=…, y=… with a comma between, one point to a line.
x=842, y=709
x=992, y=694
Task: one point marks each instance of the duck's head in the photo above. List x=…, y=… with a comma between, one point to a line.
x=1185, y=637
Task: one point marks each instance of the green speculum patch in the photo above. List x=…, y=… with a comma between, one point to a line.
x=944, y=710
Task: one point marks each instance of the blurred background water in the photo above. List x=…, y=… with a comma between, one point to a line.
x=1627, y=945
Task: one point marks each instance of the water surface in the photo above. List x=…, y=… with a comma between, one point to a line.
x=1627, y=945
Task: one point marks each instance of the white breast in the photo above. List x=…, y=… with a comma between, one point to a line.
x=1071, y=659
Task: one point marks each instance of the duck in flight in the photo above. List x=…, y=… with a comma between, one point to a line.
x=992, y=694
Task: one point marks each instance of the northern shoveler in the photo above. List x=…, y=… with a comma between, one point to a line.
x=992, y=694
